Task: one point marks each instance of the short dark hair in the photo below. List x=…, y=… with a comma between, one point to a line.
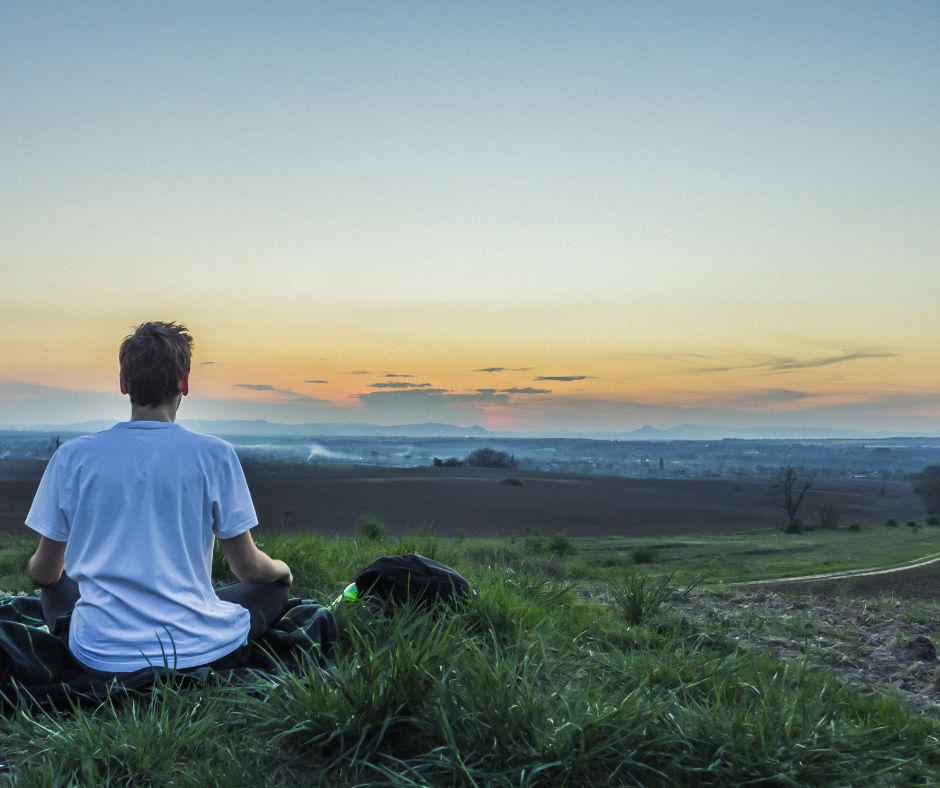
x=154, y=359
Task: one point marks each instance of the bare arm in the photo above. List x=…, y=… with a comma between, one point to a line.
x=48, y=562
x=250, y=564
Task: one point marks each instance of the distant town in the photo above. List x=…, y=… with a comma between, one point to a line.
x=24, y=454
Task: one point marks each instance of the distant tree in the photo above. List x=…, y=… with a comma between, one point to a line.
x=488, y=458
x=788, y=488
x=927, y=485
x=827, y=515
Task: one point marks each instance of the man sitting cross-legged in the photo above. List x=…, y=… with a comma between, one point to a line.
x=128, y=518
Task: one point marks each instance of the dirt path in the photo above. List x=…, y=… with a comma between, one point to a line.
x=917, y=563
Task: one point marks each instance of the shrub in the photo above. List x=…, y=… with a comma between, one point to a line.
x=638, y=595
x=488, y=458
x=794, y=527
x=912, y=524
x=561, y=545
x=827, y=515
x=927, y=485
x=855, y=527
x=891, y=523
x=643, y=555
x=535, y=543
x=371, y=526
x=932, y=519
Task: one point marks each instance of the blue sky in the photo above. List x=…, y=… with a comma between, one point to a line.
x=626, y=193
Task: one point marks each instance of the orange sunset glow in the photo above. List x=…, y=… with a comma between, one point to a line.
x=572, y=219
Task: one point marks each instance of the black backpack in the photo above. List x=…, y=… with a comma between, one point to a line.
x=406, y=578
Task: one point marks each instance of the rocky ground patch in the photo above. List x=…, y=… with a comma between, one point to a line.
x=879, y=644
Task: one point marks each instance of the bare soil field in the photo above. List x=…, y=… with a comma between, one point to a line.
x=15, y=499
x=472, y=501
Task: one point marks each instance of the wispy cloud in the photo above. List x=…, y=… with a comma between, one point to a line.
x=787, y=363
x=393, y=375
x=825, y=362
x=527, y=390
x=431, y=402
x=204, y=363
x=358, y=372
x=564, y=378
x=316, y=381
x=769, y=396
x=286, y=394
x=399, y=384
x=504, y=369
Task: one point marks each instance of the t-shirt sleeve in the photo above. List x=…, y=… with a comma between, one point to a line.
x=46, y=515
x=233, y=512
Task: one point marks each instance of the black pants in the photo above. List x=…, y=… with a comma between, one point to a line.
x=265, y=604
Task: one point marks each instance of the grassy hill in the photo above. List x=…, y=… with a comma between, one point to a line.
x=531, y=683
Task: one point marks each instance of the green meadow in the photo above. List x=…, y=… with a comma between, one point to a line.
x=532, y=682
x=770, y=553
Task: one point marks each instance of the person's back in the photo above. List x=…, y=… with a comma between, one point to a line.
x=132, y=512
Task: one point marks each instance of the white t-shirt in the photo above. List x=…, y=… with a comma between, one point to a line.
x=140, y=505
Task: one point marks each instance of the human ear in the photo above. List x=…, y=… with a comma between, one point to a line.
x=184, y=385
x=123, y=384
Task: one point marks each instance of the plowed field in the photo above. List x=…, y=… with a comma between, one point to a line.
x=472, y=501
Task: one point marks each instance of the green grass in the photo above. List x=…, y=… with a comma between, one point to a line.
x=769, y=553
x=529, y=684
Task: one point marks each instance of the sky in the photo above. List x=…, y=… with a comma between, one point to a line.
x=523, y=216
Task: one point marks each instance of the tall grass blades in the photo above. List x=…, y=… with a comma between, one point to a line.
x=638, y=595
x=525, y=684
x=388, y=681
x=423, y=541
x=165, y=736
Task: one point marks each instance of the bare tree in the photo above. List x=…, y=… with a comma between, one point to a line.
x=789, y=488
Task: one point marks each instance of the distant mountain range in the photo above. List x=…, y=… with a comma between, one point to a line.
x=695, y=432
x=260, y=428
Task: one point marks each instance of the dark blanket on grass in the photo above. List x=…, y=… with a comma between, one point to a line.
x=36, y=666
